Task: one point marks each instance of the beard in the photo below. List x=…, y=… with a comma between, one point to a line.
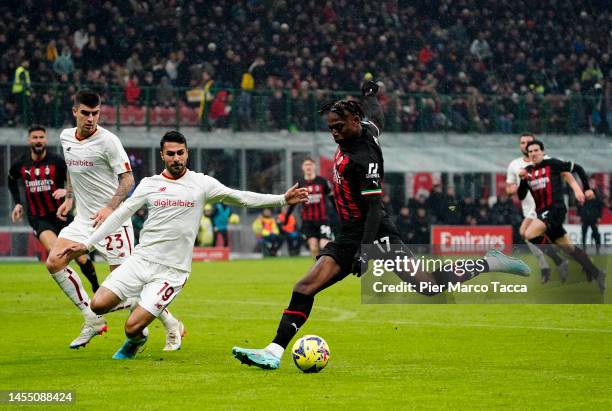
x=38, y=149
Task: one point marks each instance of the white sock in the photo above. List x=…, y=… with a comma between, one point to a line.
x=539, y=254
x=275, y=349
x=70, y=282
x=167, y=319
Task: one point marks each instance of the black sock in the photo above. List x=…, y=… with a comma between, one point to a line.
x=583, y=259
x=89, y=271
x=293, y=318
x=539, y=240
x=553, y=254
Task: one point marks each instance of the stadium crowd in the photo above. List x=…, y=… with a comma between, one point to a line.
x=445, y=65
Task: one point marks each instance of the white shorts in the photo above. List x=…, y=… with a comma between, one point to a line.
x=528, y=206
x=116, y=248
x=156, y=284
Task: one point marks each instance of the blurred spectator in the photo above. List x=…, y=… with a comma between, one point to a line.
x=132, y=91
x=63, y=64
x=206, y=234
x=422, y=224
x=138, y=220
x=267, y=233
x=590, y=213
x=289, y=232
x=220, y=219
x=488, y=55
x=404, y=225
x=220, y=109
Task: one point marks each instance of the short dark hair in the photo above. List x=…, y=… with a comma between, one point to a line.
x=527, y=134
x=36, y=127
x=87, y=97
x=535, y=142
x=308, y=158
x=342, y=108
x=172, y=137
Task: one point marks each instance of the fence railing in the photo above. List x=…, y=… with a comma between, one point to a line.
x=296, y=110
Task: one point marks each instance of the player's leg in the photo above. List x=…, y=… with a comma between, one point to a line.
x=325, y=272
x=88, y=270
x=162, y=287
x=596, y=236
x=67, y=279
x=578, y=254
x=535, y=250
x=313, y=246
x=585, y=230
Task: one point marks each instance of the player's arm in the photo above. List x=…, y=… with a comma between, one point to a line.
x=580, y=193
x=522, y=190
x=126, y=183
x=511, y=182
x=64, y=209
x=13, y=178
x=371, y=106
x=219, y=193
x=110, y=224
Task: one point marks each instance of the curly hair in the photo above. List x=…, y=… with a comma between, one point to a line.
x=342, y=108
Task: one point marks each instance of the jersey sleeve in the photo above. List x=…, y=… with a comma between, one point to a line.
x=511, y=174
x=216, y=193
x=327, y=190
x=121, y=214
x=368, y=174
x=561, y=166
x=14, y=176
x=117, y=157
x=62, y=172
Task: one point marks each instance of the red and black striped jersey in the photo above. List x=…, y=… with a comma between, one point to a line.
x=41, y=179
x=318, y=190
x=545, y=183
x=358, y=172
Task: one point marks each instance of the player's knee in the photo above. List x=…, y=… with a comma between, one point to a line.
x=53, y=264
x=305, y=286
x=98, y=305
x=133, y=327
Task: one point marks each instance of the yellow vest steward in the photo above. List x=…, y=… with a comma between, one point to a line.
x=17, y=84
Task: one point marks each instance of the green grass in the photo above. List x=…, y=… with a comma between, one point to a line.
x=382, y=356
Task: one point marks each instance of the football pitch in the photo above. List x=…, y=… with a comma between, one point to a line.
x=406, y=356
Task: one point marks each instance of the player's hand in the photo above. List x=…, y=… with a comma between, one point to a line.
x=59, y=193
x=17, y=214
x=359, y=261
x=101, y=216
x=73, y=251
x=296, y=195
x=64, y=209
x=369, y=88
x=522, y=173
x=579, y=196
x=589, y=194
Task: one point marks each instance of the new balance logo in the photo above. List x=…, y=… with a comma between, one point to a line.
x=68, y=149
x=162, y=189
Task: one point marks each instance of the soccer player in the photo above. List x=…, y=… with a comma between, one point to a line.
x=99, y=172
x=543, y=180
x=315, y=226
x=357, y=185
x=44, y=176
x=529, y=211
x=160, y=265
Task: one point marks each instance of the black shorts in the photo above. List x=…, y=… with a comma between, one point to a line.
x=50, y=222
x=554, y=219
x=348, y=243
x=316, y=229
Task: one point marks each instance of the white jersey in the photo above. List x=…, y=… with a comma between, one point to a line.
x=93, y=164
x=512, y=177
x=175, y=208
